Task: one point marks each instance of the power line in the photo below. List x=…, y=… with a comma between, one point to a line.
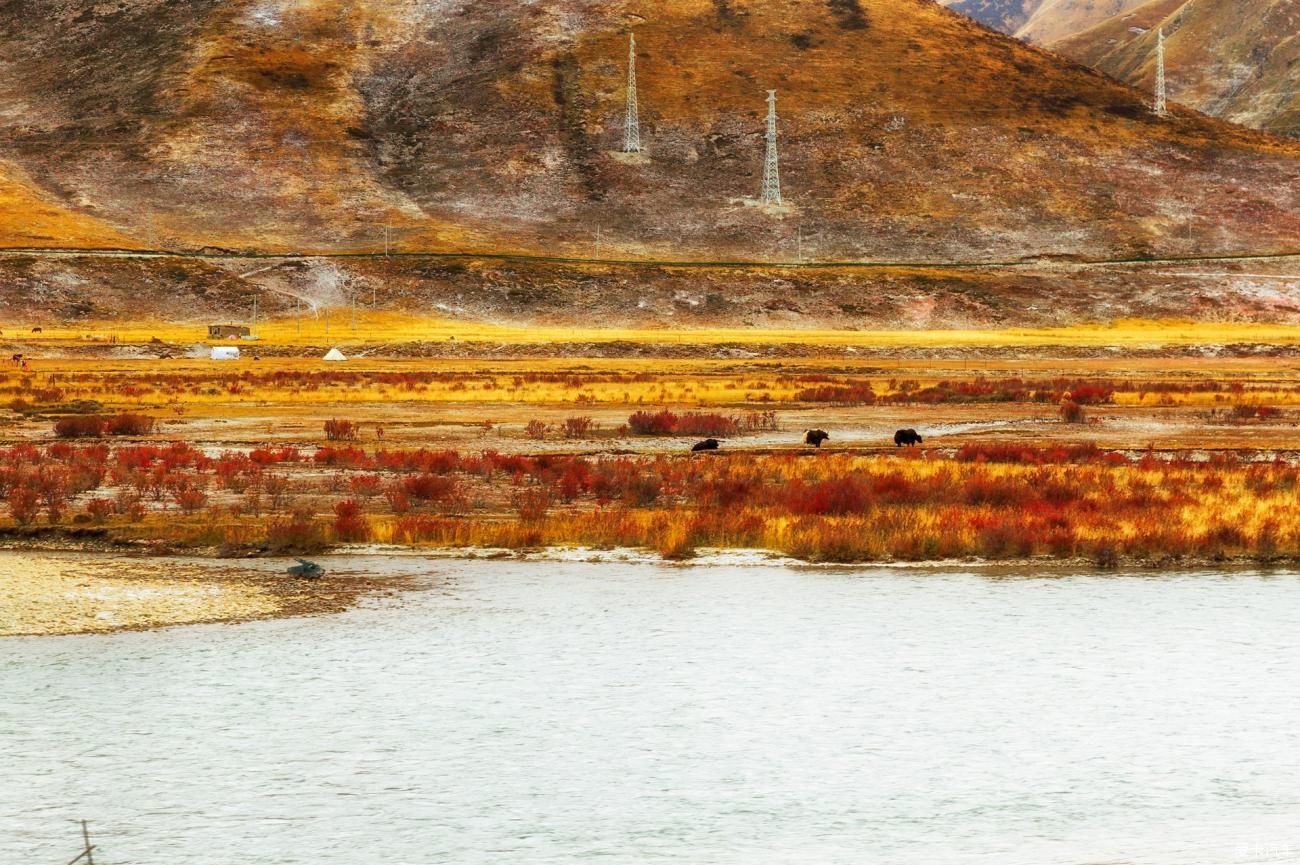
x=632, y=121
x=1162, y=106
x=772, y=162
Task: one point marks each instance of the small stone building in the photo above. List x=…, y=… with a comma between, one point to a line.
x=228, y=331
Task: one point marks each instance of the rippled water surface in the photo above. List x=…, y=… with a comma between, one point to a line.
x=626, y=713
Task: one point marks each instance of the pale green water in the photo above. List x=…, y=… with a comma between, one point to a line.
x=619, y=713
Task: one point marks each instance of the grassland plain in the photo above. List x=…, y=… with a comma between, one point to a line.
x=1137, y=444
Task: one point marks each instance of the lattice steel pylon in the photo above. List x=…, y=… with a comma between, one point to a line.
x=1161, y=106
x=772, y=164
x=632, y=121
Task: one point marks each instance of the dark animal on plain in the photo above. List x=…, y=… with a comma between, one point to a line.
x=815, y=437
x=906, y=437
x=37, y=330
x=706, y=445
x=18, y=358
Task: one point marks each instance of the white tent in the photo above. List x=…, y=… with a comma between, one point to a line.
x=225, y=352
x=335, y=354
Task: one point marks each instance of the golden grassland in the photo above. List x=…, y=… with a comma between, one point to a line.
x=508, y=389
x=375, y=331
x=573, y=452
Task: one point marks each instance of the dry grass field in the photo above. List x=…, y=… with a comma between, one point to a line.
x=383, y=334
x=1124, y=456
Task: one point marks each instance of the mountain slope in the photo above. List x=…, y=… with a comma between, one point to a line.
x=31, y=217
x=907, y=132
x=1054, y=20
x=1007, y=16
x=1239, y=61
x=1041, y=21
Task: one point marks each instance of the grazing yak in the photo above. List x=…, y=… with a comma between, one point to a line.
x=815, y=437
x=906, y=437
x=706, y=445
x=38, y=330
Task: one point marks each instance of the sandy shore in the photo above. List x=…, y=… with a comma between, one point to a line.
x=57, y=593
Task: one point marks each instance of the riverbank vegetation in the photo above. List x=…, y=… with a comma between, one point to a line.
x=988, y=501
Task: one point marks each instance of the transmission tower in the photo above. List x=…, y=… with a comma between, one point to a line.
x=632, y=124
x=1162, y=104
x=772, y=165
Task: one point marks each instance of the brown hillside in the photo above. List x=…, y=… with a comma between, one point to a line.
x=29, y=218
x=908, y=132
x=1239, y=61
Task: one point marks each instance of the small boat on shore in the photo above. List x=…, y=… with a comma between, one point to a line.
x=307, y=570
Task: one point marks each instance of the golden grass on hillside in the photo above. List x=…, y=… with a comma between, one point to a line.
x=27, y=219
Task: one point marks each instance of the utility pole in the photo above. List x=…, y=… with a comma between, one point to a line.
x=297, y=312
x=772, y=164
x=386, y=242
x=354, y=310
x=1162, y=103
x=632, y=115
x=253, y=330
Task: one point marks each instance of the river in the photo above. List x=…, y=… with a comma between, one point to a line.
x=542, y=712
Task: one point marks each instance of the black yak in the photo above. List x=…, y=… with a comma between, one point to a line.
x=906, y=437
x=37, y=330
x=815, y=437
x=706, y=445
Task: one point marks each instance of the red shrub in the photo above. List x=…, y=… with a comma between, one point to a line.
x=365, y=486
x=127, y=424
x=660, y=423
x=340, y=430
x=190, y=499
x=994, y=453
x=350, y=526
x=578, y=427
x=1072, y=412
x=430, y=488
x=99, y=510
x=665, y=423
x=575, y=480
x=80, y=426
x=852, y=393
x=702, y=424
x=849, y=495
x=272, y=456
x=726, y=492
x=349, y=457
x=24, y=504
x=297, y=535
x=1090, y=393
x=998, y=493
x=1250, y=412
x=397, y=500
x=423, y=460
x=532, y=503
